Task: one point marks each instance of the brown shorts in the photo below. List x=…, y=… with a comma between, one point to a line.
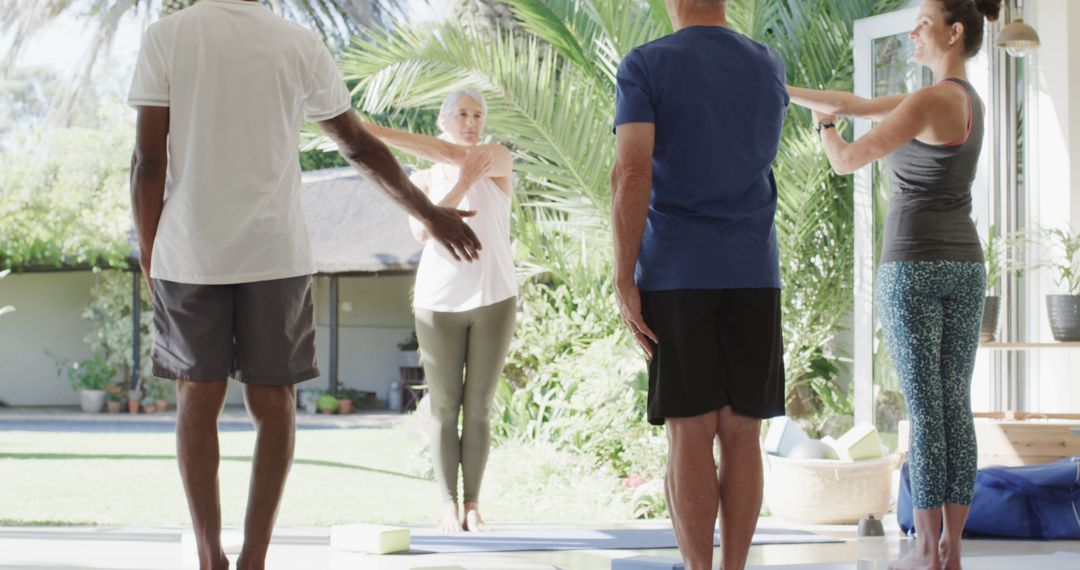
x=259, y=333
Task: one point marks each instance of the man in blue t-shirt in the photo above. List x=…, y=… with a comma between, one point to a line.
x=698, y=119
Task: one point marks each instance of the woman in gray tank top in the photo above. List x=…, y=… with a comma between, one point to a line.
x=932, y=276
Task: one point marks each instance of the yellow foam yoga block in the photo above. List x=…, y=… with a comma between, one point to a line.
x=370, y=538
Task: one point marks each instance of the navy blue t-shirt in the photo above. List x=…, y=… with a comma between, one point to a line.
x=718, y=100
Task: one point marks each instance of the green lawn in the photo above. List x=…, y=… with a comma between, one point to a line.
x=356, y=475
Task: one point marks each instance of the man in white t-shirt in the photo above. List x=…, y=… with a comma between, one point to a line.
x=221, y=89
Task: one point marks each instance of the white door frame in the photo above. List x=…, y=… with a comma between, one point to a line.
x=866, y=31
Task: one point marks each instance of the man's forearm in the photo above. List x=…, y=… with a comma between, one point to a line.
x=147, y=200
x=376, y=160
x=629, y=210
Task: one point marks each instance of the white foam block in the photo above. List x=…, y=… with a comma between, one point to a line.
x=647, y=563
x=370, y=538
x=860, y=443
x=783, y=435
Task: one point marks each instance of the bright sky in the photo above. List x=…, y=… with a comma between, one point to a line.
x=62, y=45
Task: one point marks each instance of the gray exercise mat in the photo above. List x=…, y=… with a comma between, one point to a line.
x=430, y=541
x=1058, y=561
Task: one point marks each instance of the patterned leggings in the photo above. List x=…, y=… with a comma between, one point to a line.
x=931, y=312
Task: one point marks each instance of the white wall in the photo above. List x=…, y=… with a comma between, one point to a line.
x=375, y=316
x=47, y=324
x=1054, y=167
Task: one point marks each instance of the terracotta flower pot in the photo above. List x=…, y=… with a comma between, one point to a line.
x=113, y=407
x=162, y=405
x=345, y=406
x=133, y=406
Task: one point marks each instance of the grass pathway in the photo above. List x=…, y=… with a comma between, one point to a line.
x=340, y=475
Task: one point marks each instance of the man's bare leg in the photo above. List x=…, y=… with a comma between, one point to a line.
x=741, y=485
x=273, y=409
x=949, y=546
x=198, y=405
x=691, y=487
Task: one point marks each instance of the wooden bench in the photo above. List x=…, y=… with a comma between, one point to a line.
x=1013, y=439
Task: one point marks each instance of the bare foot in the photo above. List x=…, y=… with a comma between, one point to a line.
x=920, y=557
x=223, y=564
x=473, y=521
x=451, y=519
x=950, y=558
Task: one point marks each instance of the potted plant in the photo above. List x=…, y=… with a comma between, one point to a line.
x=345, y=400
x=992, y=251
x=158, y=390
x=309, y=400
x=408, y=357
x=328, y=403
x=1064, y=309
x=89, y=379
x=133, y=399
x=149, y=405
x=113, y=396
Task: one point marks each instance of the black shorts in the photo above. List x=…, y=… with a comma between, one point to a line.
x=260, y=333
x=718, y=348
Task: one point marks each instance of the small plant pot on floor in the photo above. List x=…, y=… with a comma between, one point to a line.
x=113, y=406
x=991, y=315
x=91, y=401
x=328, y=404
x=162, y=405
x=345, y=406
x=1064, y=311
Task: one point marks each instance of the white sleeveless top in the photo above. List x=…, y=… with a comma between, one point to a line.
x=446, y=285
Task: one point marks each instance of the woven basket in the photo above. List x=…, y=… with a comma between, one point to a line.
x=828, y=492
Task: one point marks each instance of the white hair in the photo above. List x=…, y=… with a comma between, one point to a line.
x=449, y=104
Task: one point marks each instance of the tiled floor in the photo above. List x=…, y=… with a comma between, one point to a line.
x=307, y=548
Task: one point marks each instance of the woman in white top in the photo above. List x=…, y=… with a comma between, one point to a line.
x=464, y=310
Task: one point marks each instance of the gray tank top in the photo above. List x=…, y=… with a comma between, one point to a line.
x=930, y=209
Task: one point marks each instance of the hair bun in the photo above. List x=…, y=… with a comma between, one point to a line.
x=989, y=8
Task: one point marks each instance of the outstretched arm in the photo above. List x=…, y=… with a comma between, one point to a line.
x=371, y=157
x=844, y=104
x=149, y=162
x=445, y=152
x=898, y=128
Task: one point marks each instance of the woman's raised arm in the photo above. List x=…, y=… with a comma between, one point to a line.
x=442, y=151
x=844, y=104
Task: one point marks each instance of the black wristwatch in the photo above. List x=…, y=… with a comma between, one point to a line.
x=824, y=125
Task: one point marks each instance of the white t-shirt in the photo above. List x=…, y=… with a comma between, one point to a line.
x=238, y=80
x=444, y=284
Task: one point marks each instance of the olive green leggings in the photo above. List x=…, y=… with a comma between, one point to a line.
x=463, y=355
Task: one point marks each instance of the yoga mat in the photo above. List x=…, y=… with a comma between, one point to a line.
x=1059, y=561
x=424, y=541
